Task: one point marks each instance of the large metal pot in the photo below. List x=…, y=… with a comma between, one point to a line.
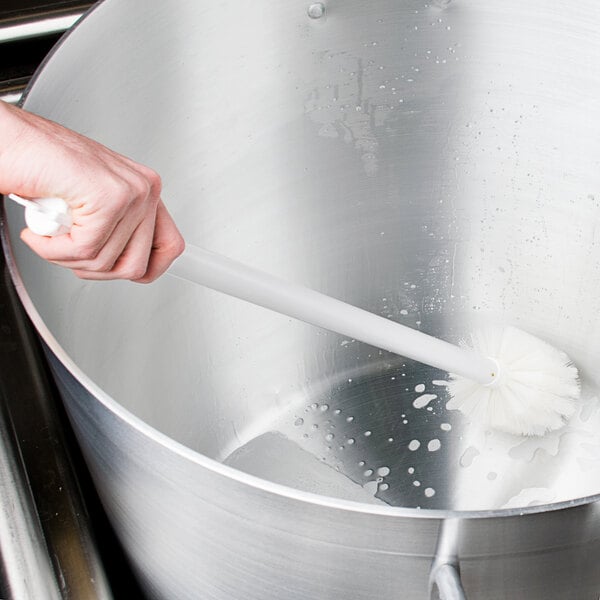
x=437, y=163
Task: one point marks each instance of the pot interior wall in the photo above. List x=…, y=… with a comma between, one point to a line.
x=436, y=163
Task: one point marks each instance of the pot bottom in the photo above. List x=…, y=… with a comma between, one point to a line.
x=384, y=436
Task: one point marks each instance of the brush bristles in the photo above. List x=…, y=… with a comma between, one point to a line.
x=537, y=390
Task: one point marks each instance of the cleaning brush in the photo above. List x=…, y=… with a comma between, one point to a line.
x=505, y=379
x=535, y=390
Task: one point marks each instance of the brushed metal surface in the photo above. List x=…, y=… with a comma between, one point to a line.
x=26, y=567
x=48, y=547
x=436, y=163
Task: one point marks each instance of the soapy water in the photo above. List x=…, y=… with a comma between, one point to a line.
x=361, y=431
x=371, y=438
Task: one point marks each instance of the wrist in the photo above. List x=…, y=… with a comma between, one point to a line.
x=15, y=148
x=9, y=129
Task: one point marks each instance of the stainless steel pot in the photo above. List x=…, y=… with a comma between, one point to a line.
x=436, y=163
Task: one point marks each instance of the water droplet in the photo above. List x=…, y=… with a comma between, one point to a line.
x=324, y=407
x=383, y=471
x=349, y=419
x=371, y=487
x=367, y=433
x=368, y=473
x=350, y=441
x=299, y=421
x=434, y=445
x=429, y=492
x=383, y=487
x=316, y=10
x=445, y=427
x=492, y=475
x=417, y=483
x=469, y=455
x=420, y=388
x=423, y=400
x=414, y=445
x=411, y=470
x=329, y=437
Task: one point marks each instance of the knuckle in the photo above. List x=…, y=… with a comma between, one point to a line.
x=141, y=188
x=138, y=190
x=96, y=261
x=135, y=273
x=86, y=252
x=176, y=246
x=155, y=182
x=102, y=265
x=120, y=190
x=147, y=184
x=131, y=271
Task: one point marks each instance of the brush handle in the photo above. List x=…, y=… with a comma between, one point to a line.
x=244, y=282
x=46, y=216
x=239, y=280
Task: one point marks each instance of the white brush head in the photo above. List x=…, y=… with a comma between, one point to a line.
x=536, y=391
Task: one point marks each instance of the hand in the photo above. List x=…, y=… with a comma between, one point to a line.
x=121, y=228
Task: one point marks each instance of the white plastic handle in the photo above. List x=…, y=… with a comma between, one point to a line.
x=48, y=217
x=239, y=280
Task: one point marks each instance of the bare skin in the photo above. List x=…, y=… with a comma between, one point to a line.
x=121, y=227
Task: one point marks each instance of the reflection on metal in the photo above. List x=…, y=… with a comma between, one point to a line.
x=445, y=575
x=47, y=548
x=435, y=167
x=447, y=584
x=11, y=91
x=25, y=562
x=47, y=26
x=11, y=97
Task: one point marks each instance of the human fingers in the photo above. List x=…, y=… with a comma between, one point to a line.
x=167, y=246
x=149, y=253
x=132, y=263
x=101, y=230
